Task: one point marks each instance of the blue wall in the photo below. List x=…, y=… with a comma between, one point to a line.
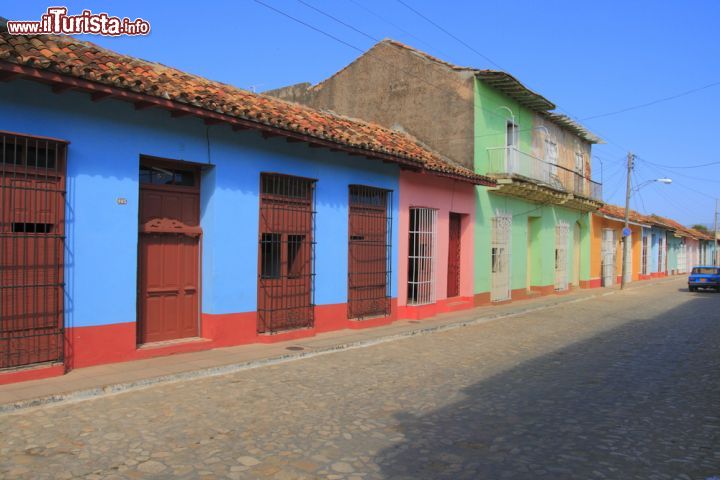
x=107, y=139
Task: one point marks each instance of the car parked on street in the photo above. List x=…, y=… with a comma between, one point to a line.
x=704, y=277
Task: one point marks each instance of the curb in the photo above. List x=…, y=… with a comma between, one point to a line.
x=113, y=389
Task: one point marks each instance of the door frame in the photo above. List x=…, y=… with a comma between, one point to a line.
x=196, y=168
x=460, y=221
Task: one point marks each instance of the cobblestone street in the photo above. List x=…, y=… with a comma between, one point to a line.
x=618, y=387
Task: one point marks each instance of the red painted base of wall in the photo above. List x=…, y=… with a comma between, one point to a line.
x=589, y=283
x=543, y=290
x=88, y=346
x=482, y=299
x=644, y=277
x=594, y=283
x=31, y=373
x=419, y=312
x=658, y=274
x=519, y=294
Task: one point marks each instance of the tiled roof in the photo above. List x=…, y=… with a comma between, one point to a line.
x=700, y=235
x=77, y=59
x=616, y=211
x=678, y=228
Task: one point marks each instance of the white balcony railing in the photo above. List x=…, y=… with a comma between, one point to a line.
x=509, y=161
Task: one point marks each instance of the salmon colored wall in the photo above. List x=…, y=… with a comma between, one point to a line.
x=597, y=225
x=444, y=195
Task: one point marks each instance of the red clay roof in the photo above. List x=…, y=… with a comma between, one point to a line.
x=83, y=60
x=664, y=222
x=678, y=228
x=619, y=212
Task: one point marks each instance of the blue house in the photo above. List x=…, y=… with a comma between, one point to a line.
x=655, y=251
x=146, y=211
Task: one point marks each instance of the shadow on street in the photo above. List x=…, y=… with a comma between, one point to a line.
x=640, y=401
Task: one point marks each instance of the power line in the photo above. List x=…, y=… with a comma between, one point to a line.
x=681, y=185
x=321, y=12
x=345, y=24
x=465, y=44
x=439, y=27
x=377, y=15
x=683, y=166
x=653, y=102
x=675, y=204
x=322, y=32
x=637, y=190
x=368, y=52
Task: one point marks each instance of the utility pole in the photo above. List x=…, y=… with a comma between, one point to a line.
x=715, y=236
x=626, y=227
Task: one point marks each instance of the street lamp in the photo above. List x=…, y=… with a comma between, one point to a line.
x=666, y=181
x=626, y=230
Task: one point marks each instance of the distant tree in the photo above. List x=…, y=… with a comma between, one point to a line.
x=701, y=228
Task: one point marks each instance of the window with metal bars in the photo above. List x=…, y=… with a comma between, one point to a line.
x=32, y=234
x=561, y=256
x=421, y=256
x=608, y=254
x=662, y=254
x=500, y=257
x=369, y=252
x=644, y=259
x=286, y=252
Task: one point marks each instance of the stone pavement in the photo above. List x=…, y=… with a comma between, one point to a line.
x=103, y=379
x=620, y=387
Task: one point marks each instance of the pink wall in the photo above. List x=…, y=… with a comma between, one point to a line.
x=444, y=195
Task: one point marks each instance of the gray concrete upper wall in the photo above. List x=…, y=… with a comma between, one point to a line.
x=398, y=88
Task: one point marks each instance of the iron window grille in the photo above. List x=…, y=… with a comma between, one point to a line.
x=500, y=257
x=32, y=238
x=369, y=252
x=286, y=251
x=562, y=231
x=422, y=256
x=608, y=253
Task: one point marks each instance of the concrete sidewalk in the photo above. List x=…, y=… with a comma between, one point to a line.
x=91, y=382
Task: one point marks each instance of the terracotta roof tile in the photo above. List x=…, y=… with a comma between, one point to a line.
x=87, y=61
x=619, y=212
x=663, y=222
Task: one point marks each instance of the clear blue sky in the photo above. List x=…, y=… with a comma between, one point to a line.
x=587, y=57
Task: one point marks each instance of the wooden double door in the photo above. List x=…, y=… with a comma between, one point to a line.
x=169, y=252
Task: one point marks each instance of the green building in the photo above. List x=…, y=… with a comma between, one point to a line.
x=539, y=238
x=532, y=233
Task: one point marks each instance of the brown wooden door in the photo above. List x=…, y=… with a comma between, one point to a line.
x=285, y=254
x=168, y=257
x=32, y=206
x=453, y=283
x=368, y=245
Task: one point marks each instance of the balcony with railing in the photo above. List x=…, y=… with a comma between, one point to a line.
x=512, y=164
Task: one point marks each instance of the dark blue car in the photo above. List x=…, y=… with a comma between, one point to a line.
x=704, y=277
